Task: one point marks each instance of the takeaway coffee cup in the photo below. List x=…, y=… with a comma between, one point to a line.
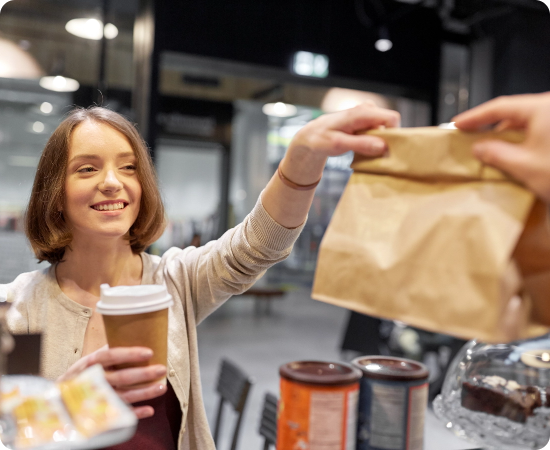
x=136, y=316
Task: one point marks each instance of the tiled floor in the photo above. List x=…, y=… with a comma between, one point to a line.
x=298, y=328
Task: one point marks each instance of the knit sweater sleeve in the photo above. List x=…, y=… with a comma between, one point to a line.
x=26, y=292
x=231, y=264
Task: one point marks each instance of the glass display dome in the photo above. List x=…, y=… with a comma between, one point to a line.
x=498, y=395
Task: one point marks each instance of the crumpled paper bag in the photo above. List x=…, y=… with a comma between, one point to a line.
x=431, y=237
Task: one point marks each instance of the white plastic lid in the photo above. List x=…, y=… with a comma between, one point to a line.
x=122, y=300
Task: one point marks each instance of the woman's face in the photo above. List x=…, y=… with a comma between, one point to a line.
x=102, y=190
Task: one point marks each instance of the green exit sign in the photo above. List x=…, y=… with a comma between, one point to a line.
x=310, y=64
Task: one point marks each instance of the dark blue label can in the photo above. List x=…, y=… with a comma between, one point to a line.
x=392, y=403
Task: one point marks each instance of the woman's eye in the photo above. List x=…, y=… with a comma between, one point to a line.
x=130, y=167
x=85, y=170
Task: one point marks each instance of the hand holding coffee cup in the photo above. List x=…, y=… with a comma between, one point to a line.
x=135, y=384
x=137, y=316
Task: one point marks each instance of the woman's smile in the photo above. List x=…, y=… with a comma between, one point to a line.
x=110, y=206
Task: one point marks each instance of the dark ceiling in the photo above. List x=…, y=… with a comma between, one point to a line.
x=466, y=9
x=458, y=14
x=268, y=32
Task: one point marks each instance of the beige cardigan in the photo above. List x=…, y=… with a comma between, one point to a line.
x=199, y=279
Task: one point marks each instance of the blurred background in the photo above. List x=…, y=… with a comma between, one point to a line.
x=218, y=89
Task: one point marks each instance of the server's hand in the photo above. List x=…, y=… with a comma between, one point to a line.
x=124, y=381
x=528, y=162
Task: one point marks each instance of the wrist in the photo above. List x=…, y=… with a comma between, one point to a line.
x=302, y=166
x=297, y=187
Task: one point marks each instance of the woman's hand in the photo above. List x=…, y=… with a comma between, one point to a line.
x=330, y=135
x=335, y=134
x=528, y=162
x=124, y=381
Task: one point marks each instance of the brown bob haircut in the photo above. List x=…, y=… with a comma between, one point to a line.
x=45, y=226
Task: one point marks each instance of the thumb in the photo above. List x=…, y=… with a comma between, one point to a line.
x=513, y=159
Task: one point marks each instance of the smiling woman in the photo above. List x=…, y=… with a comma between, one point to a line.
x=95, y=207
x=80, y=150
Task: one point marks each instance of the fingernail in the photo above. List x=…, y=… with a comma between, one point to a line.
x=147, y=353
x=162, y=387
x=160, y=371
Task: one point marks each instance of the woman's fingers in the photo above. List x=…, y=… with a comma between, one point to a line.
x=143, y=393
x=82, y=364
x=108, y=357
x=125, y=378
x=334, y=134
x=507, y=124
x=363, y=144
x=363, y=117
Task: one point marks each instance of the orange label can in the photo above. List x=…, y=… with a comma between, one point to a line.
x=318, y=406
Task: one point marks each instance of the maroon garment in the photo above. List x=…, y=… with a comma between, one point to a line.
x=161, y=431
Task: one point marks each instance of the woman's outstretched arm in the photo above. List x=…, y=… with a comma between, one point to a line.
x=232, y=263
x=329, y=135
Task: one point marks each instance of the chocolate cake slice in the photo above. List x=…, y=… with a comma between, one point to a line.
x=499, y=397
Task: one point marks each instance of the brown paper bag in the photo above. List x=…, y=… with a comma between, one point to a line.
x=431, y=237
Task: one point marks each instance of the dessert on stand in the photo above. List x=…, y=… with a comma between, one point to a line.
x=498, y=395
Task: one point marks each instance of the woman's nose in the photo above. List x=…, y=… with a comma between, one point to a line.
x=111, y=183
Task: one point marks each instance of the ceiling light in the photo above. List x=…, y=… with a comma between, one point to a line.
x=17, y=63
x=2, y=3
x=38, y=127
x=59, y=84
x=46, y=107
x=279, y=109
x=91, y=29
x=383, y=44
x=110, y=31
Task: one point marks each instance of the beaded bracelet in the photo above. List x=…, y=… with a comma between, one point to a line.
x=292, y=185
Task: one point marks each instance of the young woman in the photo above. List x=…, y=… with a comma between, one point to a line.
x=95, y=207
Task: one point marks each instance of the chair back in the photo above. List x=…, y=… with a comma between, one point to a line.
x=268, y=421
x=233, y=386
